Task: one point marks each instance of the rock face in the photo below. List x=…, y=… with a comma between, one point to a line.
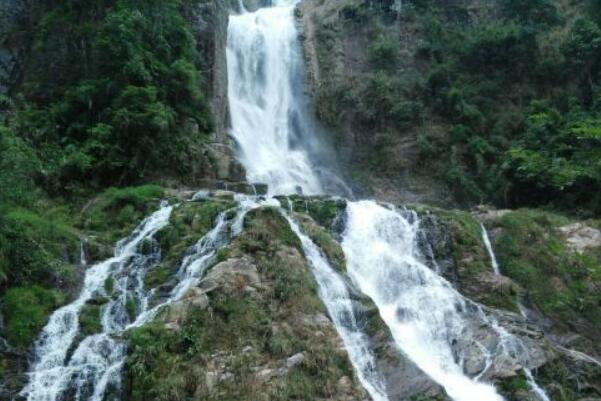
x=337, y=61
x=252, y=329
x=580, y=237
x=11, y=11
x=209, y=22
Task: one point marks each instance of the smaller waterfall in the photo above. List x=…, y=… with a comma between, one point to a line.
x=335, y=295
x=491, y=254
x=540, y=393
x=95, y=361
x=422, y=310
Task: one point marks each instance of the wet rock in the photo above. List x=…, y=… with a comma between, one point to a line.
x=580, y=237
x=224, y=195
x=231, y=275
x=260, y=189
x=177, y=313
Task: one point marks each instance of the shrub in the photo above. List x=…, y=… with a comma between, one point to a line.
x=26, y=310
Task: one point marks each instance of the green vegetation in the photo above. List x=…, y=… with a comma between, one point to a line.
x=332, y=249
x=322, y=210
x=559, y=281
x=457, y=235
x=242, y=330
x=265, y=230
x=563, y=385
x=89, y=319
x=26, y=310
x=121, y=105
x=113, y=214
x=501, y=98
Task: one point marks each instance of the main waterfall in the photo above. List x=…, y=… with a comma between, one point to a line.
x=269, y=120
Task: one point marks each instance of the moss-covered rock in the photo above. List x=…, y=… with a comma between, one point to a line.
x=112, y=215
x=256, y=339
x=562, y=283
x=90, y=319
x=323, y=210
x=324, y=240
x=456, y=237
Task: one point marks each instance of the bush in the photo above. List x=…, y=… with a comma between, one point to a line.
x=26, y=310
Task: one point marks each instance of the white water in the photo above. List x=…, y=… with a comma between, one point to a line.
x=540, y=393
x=491, y=254
x=421, y=309
x=96, y=357
x=269, y=122
x=335, y=295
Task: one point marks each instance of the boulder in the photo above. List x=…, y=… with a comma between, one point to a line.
x=580, y=237
x=231, y=275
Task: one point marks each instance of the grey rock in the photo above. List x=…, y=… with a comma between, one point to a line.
x=580, y=237
x=295, y=360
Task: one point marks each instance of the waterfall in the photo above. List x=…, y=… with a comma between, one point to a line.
x=422, y=310
x=95, y=362
x=269, y=119
x=335, y=295
x=491, y=254
x=92, y=366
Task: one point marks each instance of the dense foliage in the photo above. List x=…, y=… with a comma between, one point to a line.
x=110, y=92
x=502, y=97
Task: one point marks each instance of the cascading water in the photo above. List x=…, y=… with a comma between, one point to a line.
x=94, y=366
x=269, y=121
x=422, y=310
x=491, y=254
x=335, y=295
x=95, y=363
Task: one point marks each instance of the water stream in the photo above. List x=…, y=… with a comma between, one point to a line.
x=95, y=362
x=422, y=310
x=491, y=253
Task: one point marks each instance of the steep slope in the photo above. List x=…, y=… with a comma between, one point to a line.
x=460, y=101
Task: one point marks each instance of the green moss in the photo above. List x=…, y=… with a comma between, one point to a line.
x=118, y=210
x=188, y=223
x=265, y=229
x=223, y=254
x=26, y=310
x=109, y=285
x=156, y=276
x=332, y=249
x=322, y=210
x=461, y=239
x=514, y=384
x=131, y=308
x=90, y=319
x=532, y=252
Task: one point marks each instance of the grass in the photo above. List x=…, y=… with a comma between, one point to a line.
x=532, y=252
x=171, y=365
x=117, y=211
x=89, y=319
x=26, y=311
